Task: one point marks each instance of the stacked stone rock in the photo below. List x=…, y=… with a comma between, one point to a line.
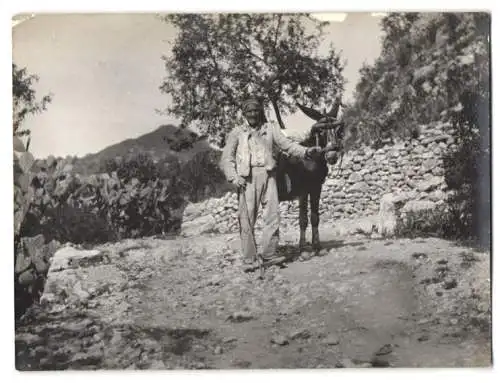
x=32, y=255
x=413, y=168
x=226, y=213
x=33, y=260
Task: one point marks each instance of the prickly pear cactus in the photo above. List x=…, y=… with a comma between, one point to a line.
x=23, y=194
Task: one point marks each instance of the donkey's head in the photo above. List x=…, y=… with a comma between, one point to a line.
x=327, y=132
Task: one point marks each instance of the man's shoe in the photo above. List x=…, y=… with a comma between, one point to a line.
x=274, y=260
x=249, y=265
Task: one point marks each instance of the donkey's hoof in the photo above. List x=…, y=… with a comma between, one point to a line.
x=321, y=252
x=305, y=256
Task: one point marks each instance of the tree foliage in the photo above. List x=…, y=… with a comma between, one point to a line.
x=216, y=59
x=24, y=101
x=429, y=61
x=141, y=166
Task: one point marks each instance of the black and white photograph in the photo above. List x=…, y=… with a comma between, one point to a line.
x=252, y=190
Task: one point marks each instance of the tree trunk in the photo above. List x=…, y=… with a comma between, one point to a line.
x=277, y=112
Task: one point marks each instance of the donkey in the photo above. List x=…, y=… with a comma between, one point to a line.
x=304, y=178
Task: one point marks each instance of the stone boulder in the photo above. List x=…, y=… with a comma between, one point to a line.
x=359, y=187
x=390, y=204
x=430, y=183
x=193, y=211
x=429, y=164
x=416, y=206
x=35, y=254
x=352, y=226
x=366, y=225
x=32, y=261
x=355, y=177
x=76, y=275
x=68, y=257
x=343, y=228
x=198, y=226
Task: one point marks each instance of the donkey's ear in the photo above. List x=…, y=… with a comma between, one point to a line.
x=335, y=108
x=311, y=113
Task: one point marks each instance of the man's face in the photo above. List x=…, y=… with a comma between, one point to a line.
x=253, y=115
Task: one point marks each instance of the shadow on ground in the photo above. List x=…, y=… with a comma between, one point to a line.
x=292, y=253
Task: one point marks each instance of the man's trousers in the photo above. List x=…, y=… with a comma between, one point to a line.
x=261, y=189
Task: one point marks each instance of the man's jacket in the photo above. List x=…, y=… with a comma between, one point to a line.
x=235, y=159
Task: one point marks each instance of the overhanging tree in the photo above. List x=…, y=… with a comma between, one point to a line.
x=217, y=58
x=24, y=101
x=427, y=63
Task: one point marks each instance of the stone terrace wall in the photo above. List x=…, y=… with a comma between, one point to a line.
x=413, y=168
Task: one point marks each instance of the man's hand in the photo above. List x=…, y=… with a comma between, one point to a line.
x=316, y=128
x=331, y=146
x=313, y=152
x=240, y=182
x=331, y=157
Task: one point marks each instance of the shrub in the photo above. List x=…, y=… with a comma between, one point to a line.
x=78, y=225
x=136, y=196
x=431, y=222
x=201, y=177
x=143, y=209
x=148, y=199
x=467, y=169
x=453, y=220
x=140, y=166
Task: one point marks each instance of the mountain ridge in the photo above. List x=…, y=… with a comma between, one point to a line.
x=163, y=142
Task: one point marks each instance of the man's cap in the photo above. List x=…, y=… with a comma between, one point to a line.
x=252, y=100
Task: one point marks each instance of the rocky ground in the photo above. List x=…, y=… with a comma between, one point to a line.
x=184, y=303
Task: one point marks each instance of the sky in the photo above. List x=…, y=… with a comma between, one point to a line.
x=104, y=72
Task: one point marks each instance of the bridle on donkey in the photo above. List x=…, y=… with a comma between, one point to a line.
x=330, y=123
x=334, y=136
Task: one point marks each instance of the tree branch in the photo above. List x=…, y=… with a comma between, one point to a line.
x=277, y=112
x=218, y=72
x=249, y=51
x=277, y=31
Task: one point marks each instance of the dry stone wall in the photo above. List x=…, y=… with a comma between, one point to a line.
x=413, y=169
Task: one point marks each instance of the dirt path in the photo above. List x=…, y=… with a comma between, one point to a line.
x=185, y=303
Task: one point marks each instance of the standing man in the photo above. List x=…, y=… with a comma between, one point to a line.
x=249, y=162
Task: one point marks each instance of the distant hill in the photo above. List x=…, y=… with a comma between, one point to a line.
x=166, y=141
x=188, y=157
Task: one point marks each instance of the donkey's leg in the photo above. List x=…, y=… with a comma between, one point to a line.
x=303, y=221
x=315, y=197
